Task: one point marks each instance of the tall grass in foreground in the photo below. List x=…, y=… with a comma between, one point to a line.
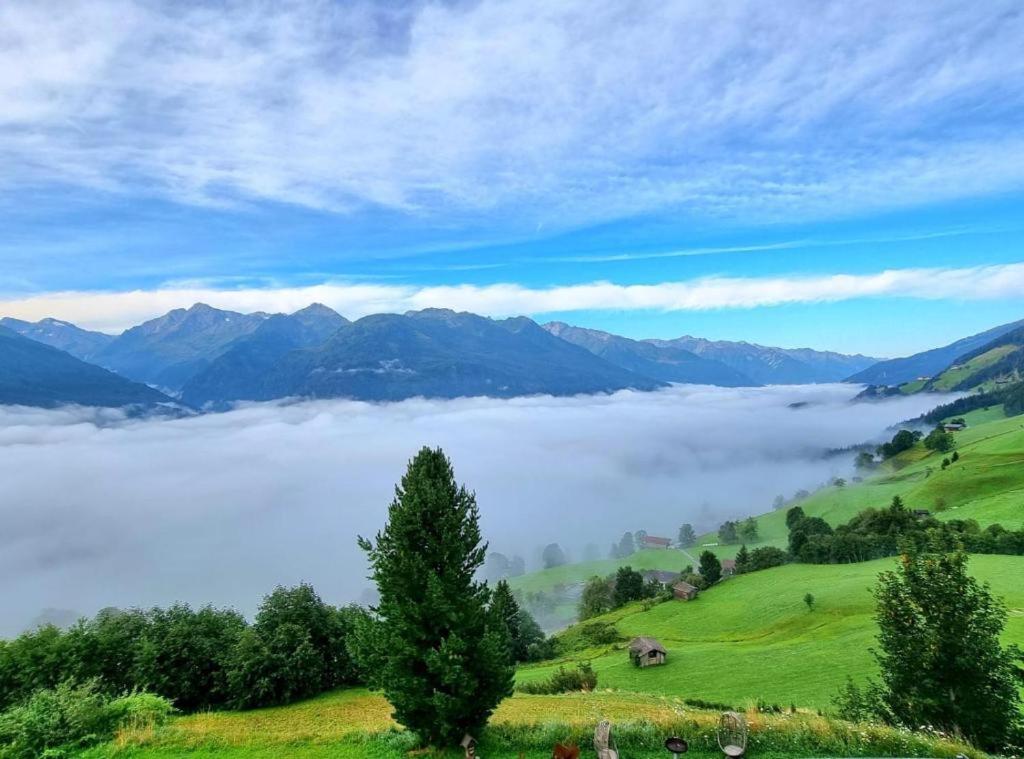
x=525, y=728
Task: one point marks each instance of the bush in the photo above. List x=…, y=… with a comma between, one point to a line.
x=59, y=721
x=599, y=633
x=766, y=558
x=583, y=678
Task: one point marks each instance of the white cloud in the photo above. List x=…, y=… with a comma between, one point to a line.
x=98, y=510
x=118, y=310
x=566, y=113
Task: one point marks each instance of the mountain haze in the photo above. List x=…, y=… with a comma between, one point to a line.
x=34, y=374
x=171, y=349
x=666, y=363
x=238, y=373
x=439, y=353
x=766, y=365
x=80, y=343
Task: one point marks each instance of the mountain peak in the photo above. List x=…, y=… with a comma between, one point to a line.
x=316, y=309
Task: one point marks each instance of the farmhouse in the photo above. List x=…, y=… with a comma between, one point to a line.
x=922, y=513
x=684, y=591
x=646, y=652
x=650, y=541
x=954, y=426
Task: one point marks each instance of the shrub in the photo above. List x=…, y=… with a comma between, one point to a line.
x=766, y=558
x=59, y=721
x=583, y=678
x=599, y=633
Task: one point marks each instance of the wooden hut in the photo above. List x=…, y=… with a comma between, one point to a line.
x=684, y=591
x=646, y=652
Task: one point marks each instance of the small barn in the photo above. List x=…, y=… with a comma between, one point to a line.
x=728, y=567
x=954, y=426
x=646, y=652
x=684, y=591
x=650, y=541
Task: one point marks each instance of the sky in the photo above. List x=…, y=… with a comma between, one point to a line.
x=833, y=175
x=221, y=508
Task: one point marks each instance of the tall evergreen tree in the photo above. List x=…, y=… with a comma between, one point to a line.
x=443, y=653
x=687, y=537
x=742, y=560
x=941, y=660
x=626, y=545
x=629, y=586
x=710, y=568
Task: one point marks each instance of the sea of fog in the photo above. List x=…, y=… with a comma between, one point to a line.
x=97, y=510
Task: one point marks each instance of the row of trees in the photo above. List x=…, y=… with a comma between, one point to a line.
x=735, y=531
x=876, y=533
x=198, y=658
x=602, y=594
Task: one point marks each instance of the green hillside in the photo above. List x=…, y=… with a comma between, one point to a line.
x=753, y=638
x=986, y=484
x=959, y=375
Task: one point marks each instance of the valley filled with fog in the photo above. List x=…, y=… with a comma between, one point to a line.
x=100, y=510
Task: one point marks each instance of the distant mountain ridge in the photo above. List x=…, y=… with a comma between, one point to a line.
x=665, y=363
x=435, y=353
x=80, y=343
x=35, y=374
x=929, y=363
x=212, y=358
x=237, y=374
x=767, y=365
x=171, y=349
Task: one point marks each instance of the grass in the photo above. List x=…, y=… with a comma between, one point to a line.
x=753, y=638
x=354, y=723
x=953, y=376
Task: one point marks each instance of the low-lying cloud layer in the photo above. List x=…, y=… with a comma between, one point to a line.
x=97, y=510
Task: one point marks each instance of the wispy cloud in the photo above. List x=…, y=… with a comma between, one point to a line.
x=554, y=114
x=117, y=310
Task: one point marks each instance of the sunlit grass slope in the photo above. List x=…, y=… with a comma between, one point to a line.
x=955, y=375
x=753, y=638
x=986, y=484
x=355, y=724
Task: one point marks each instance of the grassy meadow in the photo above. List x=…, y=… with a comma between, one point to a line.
x=753, y=638
x=355, y=724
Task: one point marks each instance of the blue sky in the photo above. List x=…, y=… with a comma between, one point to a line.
x=789, y=173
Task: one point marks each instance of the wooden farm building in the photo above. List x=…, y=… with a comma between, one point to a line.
x=728, y=567
x=646, y=652
x=684, y=591
x=650, y=541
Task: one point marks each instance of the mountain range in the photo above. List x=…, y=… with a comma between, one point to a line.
x=207, y=357
x=34, y=374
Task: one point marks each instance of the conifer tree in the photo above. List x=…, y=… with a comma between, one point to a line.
x=742, y=560
x=443, y=657
x=710, y=568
